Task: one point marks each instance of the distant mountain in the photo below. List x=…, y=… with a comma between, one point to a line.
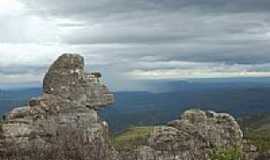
x=147, y=108
x=206, y=84
x=16, y=97
x=257, y=122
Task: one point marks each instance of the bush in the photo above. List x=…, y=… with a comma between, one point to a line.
x=226, y=154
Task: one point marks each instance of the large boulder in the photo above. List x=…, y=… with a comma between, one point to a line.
x=69, y=103
x=196, y=135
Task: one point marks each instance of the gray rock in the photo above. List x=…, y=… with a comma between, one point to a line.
x=66, y=78
x=195, y=135
x=70, y=99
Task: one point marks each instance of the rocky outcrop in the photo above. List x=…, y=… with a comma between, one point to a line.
x=66, y=115
x=70, y=99
x=66, y=78
x=196, y=135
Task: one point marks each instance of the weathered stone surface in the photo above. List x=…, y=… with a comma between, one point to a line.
x=66, y=78
x=250, y=150
x=194, y=136
x=70, y=100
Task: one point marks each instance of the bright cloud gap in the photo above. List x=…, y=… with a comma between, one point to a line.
x=192, y=70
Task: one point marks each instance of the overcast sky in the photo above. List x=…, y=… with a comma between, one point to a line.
x=131, y=40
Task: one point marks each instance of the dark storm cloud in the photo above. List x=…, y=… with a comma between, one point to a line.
x=233, y=31
x=119, y=36
x=108, y=7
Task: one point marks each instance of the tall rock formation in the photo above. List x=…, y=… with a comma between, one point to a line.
x=70, y=100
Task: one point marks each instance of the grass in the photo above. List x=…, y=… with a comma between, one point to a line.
x=260, y=138
x=131, y=138
x=226, y=154
x=257, y=130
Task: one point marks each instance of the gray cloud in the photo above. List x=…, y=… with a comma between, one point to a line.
x=22, y=69
x=109, y=7
x=121, y=36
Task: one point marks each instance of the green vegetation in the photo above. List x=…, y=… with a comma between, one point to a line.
x=257, y=130
x=261, y=139
x=131, y=138
x=226, y=154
